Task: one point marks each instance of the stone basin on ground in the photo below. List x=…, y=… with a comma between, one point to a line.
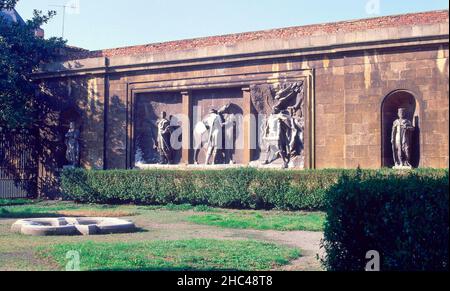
x=72, y=226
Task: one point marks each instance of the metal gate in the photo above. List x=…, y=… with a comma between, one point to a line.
x=18, y=165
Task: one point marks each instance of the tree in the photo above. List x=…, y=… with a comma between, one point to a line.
x=21, y=54
x=8, y=4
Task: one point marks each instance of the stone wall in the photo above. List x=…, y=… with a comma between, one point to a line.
x=349, y=94
x=348, y=74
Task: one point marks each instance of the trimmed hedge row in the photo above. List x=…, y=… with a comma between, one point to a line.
x=403, y=217
x=243, y=188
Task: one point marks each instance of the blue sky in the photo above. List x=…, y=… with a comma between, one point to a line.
x=114, y=23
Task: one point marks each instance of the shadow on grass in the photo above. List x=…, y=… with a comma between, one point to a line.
x=24, y=214
x=136, y=230
x=5, y=214
x=16, y=202
x=140, y=230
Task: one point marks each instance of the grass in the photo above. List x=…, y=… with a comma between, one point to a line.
x=56, y=209
x=170, y=240
x=260, y=220
x=180, y=207
x=197, y=254
x=12, y=202
x=313, y=221
x=23, y=208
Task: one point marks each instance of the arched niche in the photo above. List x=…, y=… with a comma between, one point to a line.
x=389, y=113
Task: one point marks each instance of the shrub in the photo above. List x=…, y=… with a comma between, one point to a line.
x=403, y=217
x=244, y=188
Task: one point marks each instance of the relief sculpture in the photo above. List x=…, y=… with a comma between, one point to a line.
x=283, y=129
x=216, y=134
x=163, y=141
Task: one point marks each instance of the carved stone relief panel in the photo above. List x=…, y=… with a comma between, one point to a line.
x=281, y=121
x=157, y=128
x=218, y=126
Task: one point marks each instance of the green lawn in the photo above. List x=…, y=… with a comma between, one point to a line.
x=57, y=209
x=244, y=219
x=170, y=237
x=197, y=254
x=263, y=221
x=11, y=202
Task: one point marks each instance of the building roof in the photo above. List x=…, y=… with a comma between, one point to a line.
x=423, y=18
x=11, y=15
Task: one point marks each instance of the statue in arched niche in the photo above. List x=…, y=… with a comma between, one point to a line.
x=401, y=140
x=72, y=140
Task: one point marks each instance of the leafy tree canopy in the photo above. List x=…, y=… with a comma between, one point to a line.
x=8, y=4
x=21, y=54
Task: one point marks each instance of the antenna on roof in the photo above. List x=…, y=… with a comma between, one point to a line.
x=74, y=6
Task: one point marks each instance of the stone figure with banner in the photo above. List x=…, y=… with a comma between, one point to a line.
x=283, y=132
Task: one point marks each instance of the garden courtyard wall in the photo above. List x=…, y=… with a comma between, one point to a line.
x=355, y=75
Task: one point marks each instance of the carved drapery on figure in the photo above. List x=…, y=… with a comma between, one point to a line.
x=72, y=140
x=401, y=139
x=216, y=133
x=283, y=129
x=277, y=136
x=163, y=140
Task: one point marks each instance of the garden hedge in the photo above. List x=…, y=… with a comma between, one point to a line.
x=405, y=218
x=243, y=188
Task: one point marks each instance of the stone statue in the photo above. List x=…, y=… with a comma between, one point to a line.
x=162, y=143
x=297, y=143
x=401, y=140
x=72, y=141
x=291, y=92
x=284, y=129
x=214, y=124
x=201, y=135
x=276, y=135
x=219, y=126
x=230, y=138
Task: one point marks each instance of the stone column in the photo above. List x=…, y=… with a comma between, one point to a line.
x=186, y=123
x=249, y=126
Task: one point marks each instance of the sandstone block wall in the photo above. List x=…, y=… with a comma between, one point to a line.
x=350, y=68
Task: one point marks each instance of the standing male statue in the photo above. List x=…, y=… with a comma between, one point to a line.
x=72, y=141
x=401, y=140
x=163, y=144
x=216, y=133
x=215, y=125
x=276, y=135
x=229, y=134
